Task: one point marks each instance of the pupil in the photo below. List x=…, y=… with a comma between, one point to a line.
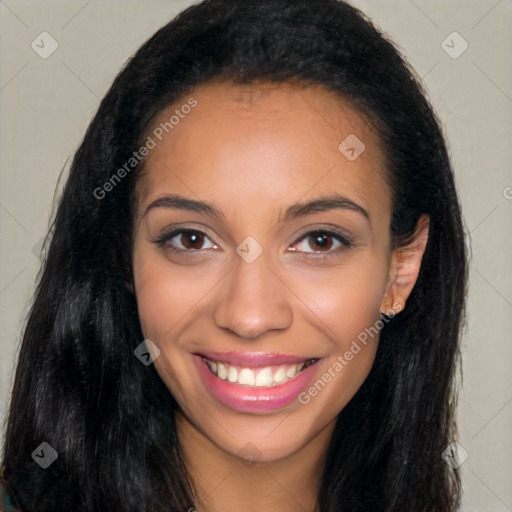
x=322, y=241
x=191, y=240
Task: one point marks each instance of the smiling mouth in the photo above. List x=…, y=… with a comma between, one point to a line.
x=264, y=376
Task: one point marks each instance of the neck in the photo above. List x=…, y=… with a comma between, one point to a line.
x=224, y=482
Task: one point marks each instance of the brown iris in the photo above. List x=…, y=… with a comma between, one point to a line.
x=322, y=241
x=192, y=240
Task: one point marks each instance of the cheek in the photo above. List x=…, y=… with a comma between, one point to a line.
x=346, y=308
x=347, y=300
x=166, y=294
x=160, y=305
x=166, y=298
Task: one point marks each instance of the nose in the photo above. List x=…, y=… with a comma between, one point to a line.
x=253, y=300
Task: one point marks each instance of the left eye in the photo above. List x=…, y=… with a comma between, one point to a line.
x=322, y=242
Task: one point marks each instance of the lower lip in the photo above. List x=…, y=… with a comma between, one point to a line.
x=248, y=399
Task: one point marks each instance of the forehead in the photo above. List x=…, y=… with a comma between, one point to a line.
x=279, y=142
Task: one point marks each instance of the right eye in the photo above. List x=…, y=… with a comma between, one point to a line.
x=185, y=241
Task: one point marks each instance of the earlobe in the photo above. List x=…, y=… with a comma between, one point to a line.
x=404, y=269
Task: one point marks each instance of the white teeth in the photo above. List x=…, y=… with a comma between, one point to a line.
x=263, y=377
x=246, y=377
x=232, y=374
x=294, y=370
x=221, y=371
x=280, y=375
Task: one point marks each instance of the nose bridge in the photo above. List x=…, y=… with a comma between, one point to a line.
x=254, y=299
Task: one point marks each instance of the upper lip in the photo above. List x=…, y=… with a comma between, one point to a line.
x=253, y=359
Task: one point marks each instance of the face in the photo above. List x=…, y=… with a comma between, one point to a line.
x=262, y=259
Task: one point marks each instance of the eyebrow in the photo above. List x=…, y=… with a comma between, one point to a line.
x=320, y=204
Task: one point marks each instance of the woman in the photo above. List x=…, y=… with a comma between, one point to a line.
x=255, y=281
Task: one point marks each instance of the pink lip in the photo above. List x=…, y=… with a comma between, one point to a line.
x=252, y=399
x=252, y=359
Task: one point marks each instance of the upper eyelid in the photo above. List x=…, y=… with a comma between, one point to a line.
x=330, y=230
x=175, y=230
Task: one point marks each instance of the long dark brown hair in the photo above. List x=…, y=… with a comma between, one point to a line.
x=111, y=419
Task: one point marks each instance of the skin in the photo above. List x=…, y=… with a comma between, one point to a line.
x=252, y=151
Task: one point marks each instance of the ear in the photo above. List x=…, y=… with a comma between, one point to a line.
x=404, y=269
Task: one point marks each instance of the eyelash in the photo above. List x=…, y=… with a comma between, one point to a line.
x=346, y=243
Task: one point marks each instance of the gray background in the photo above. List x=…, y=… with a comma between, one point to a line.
x=46, y=105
